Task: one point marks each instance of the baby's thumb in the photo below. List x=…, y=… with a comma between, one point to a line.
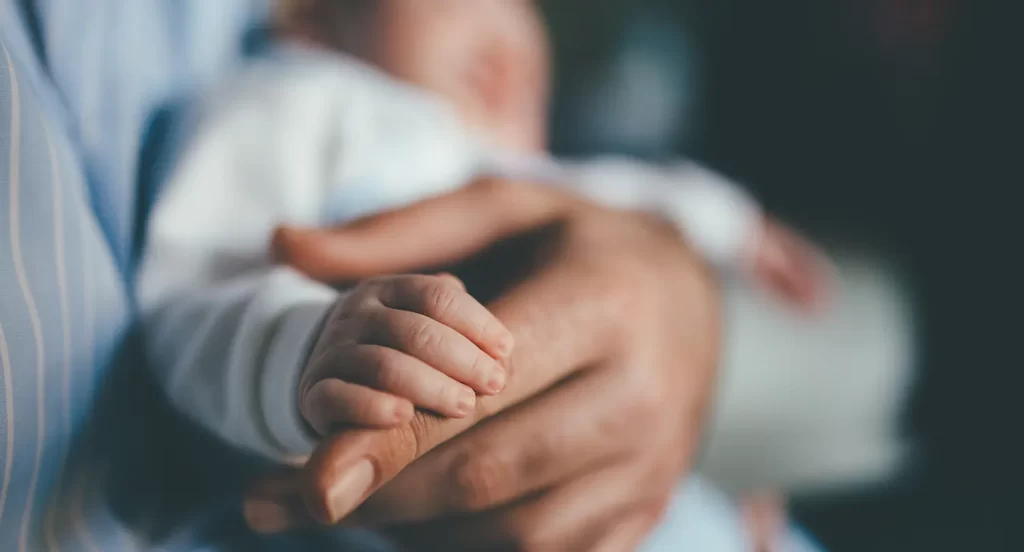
x=344, y=470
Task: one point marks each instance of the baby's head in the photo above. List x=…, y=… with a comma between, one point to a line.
x=489, y=58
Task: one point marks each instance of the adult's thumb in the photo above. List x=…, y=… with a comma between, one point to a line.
x=349, y=466
x=433, y=233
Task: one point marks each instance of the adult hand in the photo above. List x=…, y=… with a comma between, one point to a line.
x=612, y=299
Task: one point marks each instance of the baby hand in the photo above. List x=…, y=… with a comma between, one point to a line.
x=400, y=342
x=790, y=266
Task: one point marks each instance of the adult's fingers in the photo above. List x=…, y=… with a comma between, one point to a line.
x=508, y=457
x=573, y=516
x=559, y=328
x=435, y=232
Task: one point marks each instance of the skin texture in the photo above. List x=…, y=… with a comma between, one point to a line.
x=399, y=342
x=616, y=335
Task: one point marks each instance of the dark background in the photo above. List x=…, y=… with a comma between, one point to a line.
x=889, y=125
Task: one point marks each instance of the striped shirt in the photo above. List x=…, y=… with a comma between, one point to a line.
x=79, y=83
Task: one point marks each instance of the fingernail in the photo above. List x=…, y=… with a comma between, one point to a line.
x=403, y=412
x=265, y=516
x=497, y=382
x=350, y=490
x=467, y=401
x=505, y=345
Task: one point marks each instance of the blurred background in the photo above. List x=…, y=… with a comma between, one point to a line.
x=890, y=130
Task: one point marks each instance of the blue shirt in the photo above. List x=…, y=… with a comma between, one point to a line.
x=80, y=82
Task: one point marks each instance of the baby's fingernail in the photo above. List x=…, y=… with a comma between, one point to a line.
x=350, y=490
x=497, y=382
x=403, y=412
x=505, y=344
x=466, y=402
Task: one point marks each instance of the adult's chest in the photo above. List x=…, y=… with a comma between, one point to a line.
x=63, y=309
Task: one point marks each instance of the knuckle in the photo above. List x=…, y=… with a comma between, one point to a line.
x=425, y=336
x=415, y=435
x=441, y=300
x=479, y=481
x=403, y=447
x=483, y=367
x=422, y=434
x=621, y=287
x=387, y=373
x=494, y=332
x=490, y=329
x=448, y=394
x=642, y=398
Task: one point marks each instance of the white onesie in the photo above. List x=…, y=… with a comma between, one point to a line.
x=310, y=139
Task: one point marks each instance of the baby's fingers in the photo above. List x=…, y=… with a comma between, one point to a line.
x=395, y=372
x=436, y=345
x=332, y=402
x=444, y=298
x=793, y=268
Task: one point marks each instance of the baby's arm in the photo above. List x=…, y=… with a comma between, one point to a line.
x=401, y=342
x=227, y=331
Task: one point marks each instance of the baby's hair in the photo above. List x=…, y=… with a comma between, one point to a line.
x=320, y=20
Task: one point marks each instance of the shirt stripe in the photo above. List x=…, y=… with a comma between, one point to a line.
x=65, y=322
x=30, y=305
x=5, y=359
x=8, y=383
